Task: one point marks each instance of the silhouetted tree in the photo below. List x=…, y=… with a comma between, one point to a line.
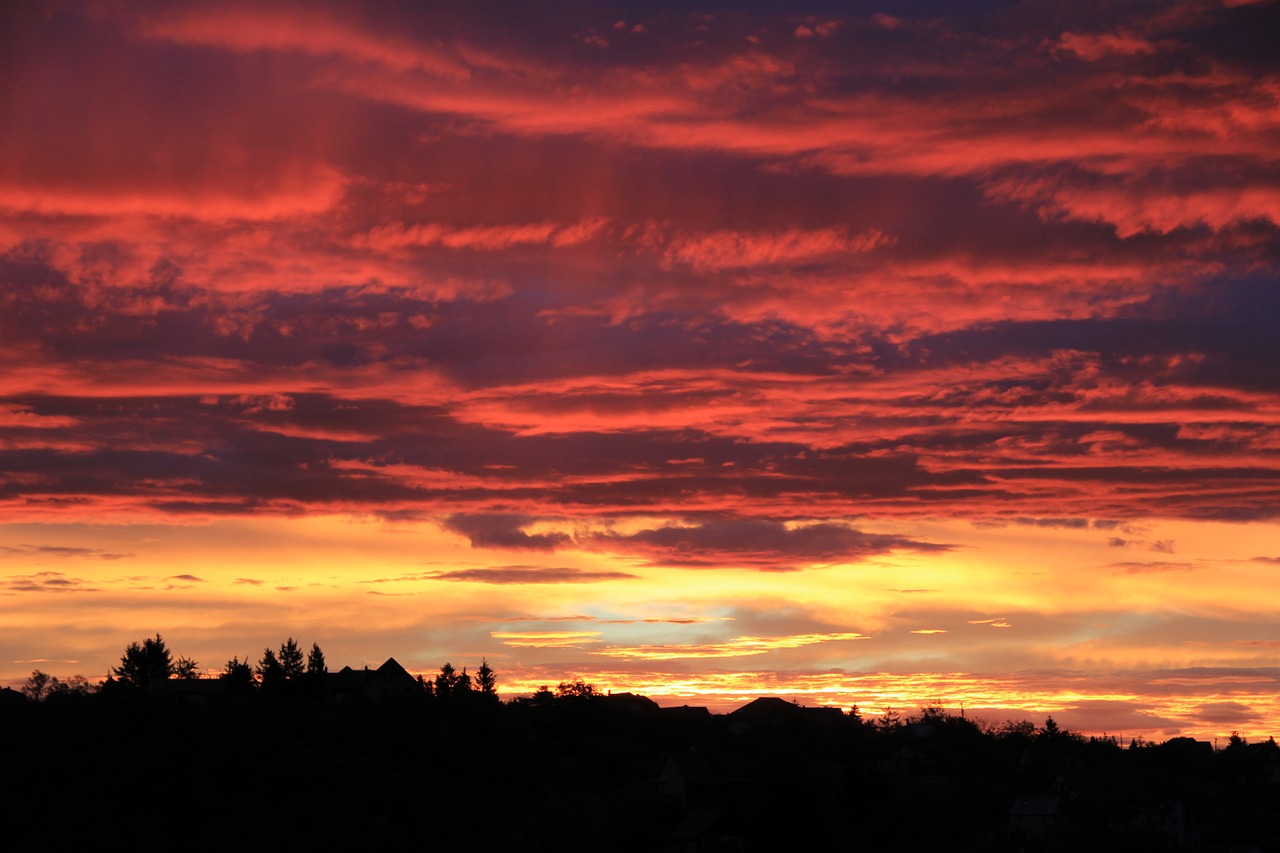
x=38, y=685
x=933, y=714
x=1018, y=729
x=577, y=689
x=141, y=664
x=890, y=720
x=315, y=661
x=41, y=686
x=314, y=677
x=486, y=680
x=291, y=665
x=446, y=682
x=238, y=674
x=270, y=673
x=76, y=685
x=186, y=668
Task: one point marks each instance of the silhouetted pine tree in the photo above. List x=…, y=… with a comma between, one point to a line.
x=486, y=680
x=144, y=663
x=290, y=659
x=238, y=674
x=446, y=682
x=270, y=673
x=315, y=661
x=186, y=668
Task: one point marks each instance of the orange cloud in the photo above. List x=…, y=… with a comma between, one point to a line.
x=313, y=192
x=546, y=639
x=1141, y=208
x=729, y=250
x=397, y=235
x=1094, y=46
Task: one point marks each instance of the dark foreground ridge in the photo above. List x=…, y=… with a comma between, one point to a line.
x=375, y=757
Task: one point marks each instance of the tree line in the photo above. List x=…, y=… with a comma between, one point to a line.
x=277, y=670
x=634, y=775
x=151, y=660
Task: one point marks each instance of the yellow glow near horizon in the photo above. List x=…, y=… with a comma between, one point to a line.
x=1002, y=603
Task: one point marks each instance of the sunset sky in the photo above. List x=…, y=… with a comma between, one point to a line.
x=880, y=353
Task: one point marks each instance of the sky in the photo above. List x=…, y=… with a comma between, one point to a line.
x=876, y=353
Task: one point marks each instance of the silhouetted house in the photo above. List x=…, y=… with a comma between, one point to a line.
x=687, y=721
x=389, y=681
x=825, y=716
x=1187, y=753
x=765, y=712
x=685, y=713
x=767, y=708
x=630, y=704
x=1035, y=817
x=10, y=698
x=771, y=711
